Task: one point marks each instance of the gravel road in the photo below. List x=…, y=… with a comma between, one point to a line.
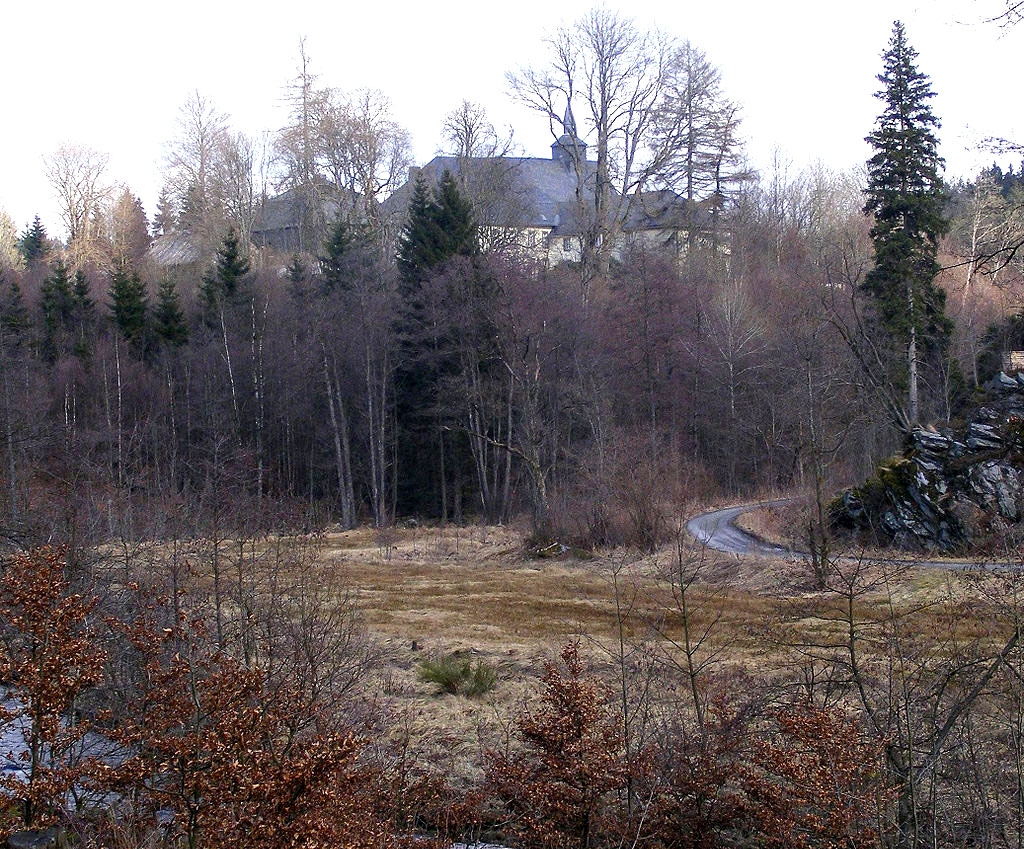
x=718, y=530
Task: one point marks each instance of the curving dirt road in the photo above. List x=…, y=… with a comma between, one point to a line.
x=718, y=530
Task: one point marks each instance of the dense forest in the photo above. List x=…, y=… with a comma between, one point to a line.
x=165, y=371
x=185, y=407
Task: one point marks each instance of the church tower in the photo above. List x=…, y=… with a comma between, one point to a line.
x=569, y=148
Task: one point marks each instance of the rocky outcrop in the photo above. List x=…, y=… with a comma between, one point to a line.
x=953, y=488
x=49, y=838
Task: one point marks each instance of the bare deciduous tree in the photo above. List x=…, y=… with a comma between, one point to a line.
x=295, y=154
x=487, y=174
x=654, y=110
x=468, y=132
x=618, y=72
x=340, y=154
x=10, y=257
x=363, y=151
x=696, y=132
x=129, y=229
x=235, y=169
x=78, y=176
x=191, y=165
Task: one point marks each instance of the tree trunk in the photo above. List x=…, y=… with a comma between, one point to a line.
x=12, y=467
x=258, y=386
x=231, y=374
x=912, y=397
x=342, y=448
x=376, y=414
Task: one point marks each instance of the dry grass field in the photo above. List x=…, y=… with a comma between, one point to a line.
x=480, y=590
x=425, y=592
x=418, y=594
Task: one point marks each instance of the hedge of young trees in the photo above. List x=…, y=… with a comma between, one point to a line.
x=155, y=706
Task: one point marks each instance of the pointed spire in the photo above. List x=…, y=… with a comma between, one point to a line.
x=569, y=148
x=569, y=122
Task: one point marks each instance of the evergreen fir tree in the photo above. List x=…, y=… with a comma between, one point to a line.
x=905, y=194
x=297, y=275
x=419, y=244
x=164, y=220
x=13, y=313
x=169, y=325
x=336, y=252
x=298, y=278
x=232, y=264
x=440, y=228
x=84, y=305
x=34, y=243
x=56, y=296
x=56, y=303
x=192, y=211
x=454, y=217
x=224, y=281
x=84, y=315
x=296, y=270
x=128, y=302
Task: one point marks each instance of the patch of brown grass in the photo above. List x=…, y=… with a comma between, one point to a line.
x=777, y=523
x=427, y=591
x=491, y=597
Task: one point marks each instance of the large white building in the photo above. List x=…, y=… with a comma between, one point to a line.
x=539, y=205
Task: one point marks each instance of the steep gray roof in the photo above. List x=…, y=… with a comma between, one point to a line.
x=666, y=210
x=283, y=211
x=569, y=121
x=176, y=248
x=535, y=192
x=278, y=213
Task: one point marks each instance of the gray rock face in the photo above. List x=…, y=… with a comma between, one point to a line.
x=948, y=488
x=48, y=838
x=983, y=437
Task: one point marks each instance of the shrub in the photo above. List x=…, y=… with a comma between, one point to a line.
x=457, y=675
x=565, y=784
x=629, y=499
x=481, y=680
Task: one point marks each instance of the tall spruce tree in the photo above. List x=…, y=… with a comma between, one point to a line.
x=440, y=228
x=84, y=309
x=232, y=264
x=14, y=317
x=128, y=302
x=333, y=260
x=223, y=282
x=169, y=325
x=906, y=197
x=454, y=217
x=56, y=303
x=34, y=244
x=417, y=244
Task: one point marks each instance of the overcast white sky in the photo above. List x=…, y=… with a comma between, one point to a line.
x=112, y=74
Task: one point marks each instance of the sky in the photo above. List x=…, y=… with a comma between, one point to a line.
x=112, y=75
